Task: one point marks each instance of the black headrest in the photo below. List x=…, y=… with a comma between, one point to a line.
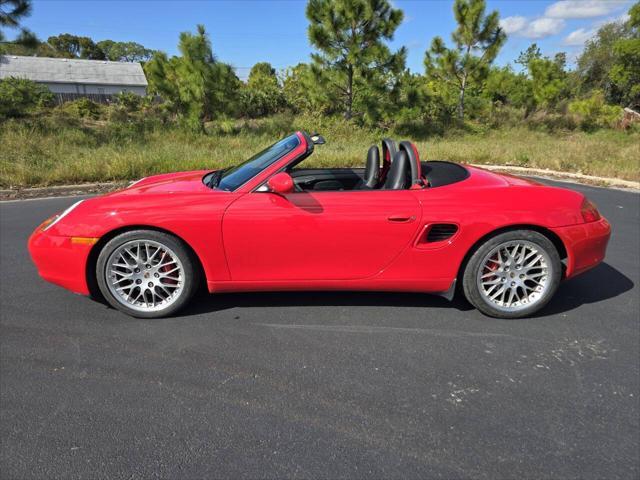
x=372, y=168
x=414, y=161
x=389, y=150
x=397, y=176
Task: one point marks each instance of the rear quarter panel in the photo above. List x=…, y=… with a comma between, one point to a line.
x=480, y=205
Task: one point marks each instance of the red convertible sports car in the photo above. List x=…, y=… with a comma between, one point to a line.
x=398, y=224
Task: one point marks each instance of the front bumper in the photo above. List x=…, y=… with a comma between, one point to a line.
x=60, y=260
x=586, y=245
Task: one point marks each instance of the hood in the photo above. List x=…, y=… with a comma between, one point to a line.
x=179, y=182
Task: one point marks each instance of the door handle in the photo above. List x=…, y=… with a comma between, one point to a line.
x=401, y=218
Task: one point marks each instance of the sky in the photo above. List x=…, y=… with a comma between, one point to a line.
x=244, y=32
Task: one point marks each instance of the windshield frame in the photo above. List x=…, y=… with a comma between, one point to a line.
x=265, y=159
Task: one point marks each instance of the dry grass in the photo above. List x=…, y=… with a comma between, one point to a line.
x=36, y=155
x=603, y=153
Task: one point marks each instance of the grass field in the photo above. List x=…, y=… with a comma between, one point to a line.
x=45, y=153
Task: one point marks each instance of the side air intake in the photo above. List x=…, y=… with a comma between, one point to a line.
x=440, y=232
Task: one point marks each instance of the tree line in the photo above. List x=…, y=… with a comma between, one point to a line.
x=353, y=72
x=64, y=45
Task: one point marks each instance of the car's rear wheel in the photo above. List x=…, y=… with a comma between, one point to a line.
x=513, y=274
x=146, y=274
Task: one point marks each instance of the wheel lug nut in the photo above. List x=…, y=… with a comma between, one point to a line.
x=513, y=284
x=147, y=266
x=150, y=284
x=137, y=270
x=156, y=275
x=138, y=282
x=521, y=275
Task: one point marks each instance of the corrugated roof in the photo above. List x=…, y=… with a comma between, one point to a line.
x=63, y=70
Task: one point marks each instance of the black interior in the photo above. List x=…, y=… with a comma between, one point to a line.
x=398, y=169
x=372, y=168
x=397, y=178
x=437, y=173
x=327, y=178
x=414, y=164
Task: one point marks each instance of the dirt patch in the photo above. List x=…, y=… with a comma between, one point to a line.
x=61, y=190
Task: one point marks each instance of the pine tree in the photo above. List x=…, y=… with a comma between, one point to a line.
x=625, y=72
x=196, y=84
x=529, y=54
x=477, y=39
x=11, y=13
x=350, y=35
x=549, y=81
x=262, y=95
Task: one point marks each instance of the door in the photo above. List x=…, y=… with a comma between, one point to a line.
x=317, y=235
x=327, y=178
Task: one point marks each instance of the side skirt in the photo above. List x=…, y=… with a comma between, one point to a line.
x=440, y=286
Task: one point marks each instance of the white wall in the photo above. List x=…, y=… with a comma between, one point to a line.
x=93, y=88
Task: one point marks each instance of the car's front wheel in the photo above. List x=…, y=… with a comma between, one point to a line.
x=146, y=274
x=513, y=274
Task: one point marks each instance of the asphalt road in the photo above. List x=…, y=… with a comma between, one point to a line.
x=321, y=385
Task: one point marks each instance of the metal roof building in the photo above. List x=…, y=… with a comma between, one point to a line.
x=72, y=78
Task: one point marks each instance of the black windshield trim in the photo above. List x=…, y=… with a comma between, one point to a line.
x=285, y=152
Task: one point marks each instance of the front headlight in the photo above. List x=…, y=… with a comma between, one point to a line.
x=47, y=224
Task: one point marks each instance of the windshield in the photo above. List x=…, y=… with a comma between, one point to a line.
x=234, y=177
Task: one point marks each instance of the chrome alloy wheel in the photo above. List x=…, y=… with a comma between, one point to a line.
x=144, y=275
x=514, y=275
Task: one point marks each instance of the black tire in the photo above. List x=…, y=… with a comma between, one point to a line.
x=470, y=275
x=189, y=264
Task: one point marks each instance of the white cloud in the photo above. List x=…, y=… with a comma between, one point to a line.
x=538, y=28
x=578, y=37
x=513, y=24
x=543, y=27
x=625, y=17
x=583, y=8
x=553, y=20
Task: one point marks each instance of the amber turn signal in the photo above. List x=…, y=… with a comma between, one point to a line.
x=84, y=240
x=47, y=222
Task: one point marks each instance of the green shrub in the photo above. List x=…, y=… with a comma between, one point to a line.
x=551, y=121
x=593, y=112
x=82, y=108
x=260, y=102
x=19, y=96
x=223, y=126
x=505, y=116
x=125, y=132
x=129, y=101
x=416, y=123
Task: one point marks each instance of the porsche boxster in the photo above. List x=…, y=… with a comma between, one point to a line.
x=269, y=224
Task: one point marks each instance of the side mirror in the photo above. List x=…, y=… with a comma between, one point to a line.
x=317, y=139
x=281, y=183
